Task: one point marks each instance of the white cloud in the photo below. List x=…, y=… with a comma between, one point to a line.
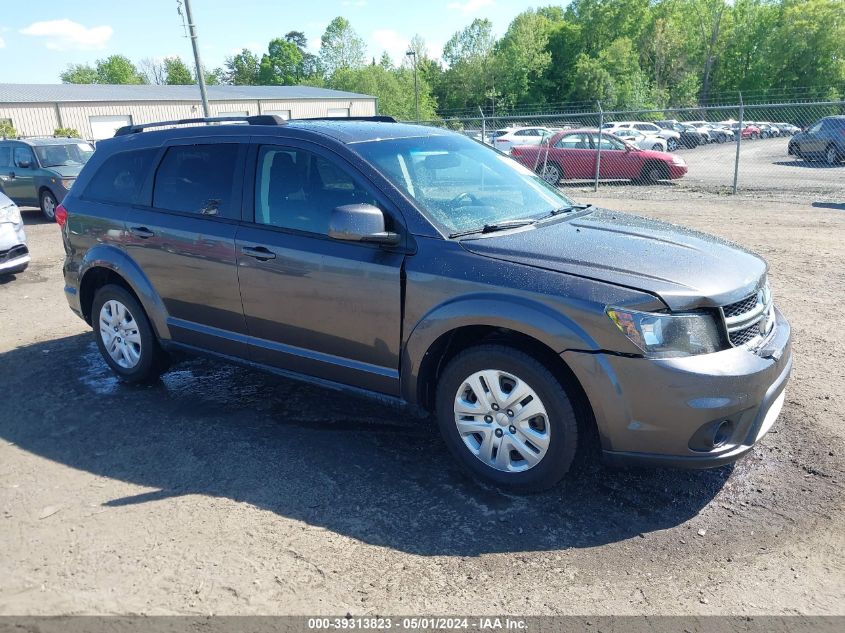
x=65, y=35
x=470, y=6
x=390, y=41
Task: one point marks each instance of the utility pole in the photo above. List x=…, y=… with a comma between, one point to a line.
x=192, y=30
x=413, y=53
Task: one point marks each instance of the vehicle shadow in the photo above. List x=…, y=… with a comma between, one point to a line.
x=313, y=455
x=808, y=164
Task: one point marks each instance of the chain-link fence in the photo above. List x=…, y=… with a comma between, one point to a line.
x=789, y=148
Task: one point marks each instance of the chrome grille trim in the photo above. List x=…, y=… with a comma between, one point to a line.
x=751, y=318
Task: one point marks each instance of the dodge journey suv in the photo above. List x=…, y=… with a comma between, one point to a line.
x=424, y=268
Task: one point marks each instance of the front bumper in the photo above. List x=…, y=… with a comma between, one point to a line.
x=14, y=255
x=655, y=411
x=677, y=171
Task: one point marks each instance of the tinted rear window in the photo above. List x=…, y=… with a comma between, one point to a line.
x=120, y=178
x=198, y=179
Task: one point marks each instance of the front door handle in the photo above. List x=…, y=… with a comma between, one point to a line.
x=11, y=175
x=141, y=231
x=258, y=252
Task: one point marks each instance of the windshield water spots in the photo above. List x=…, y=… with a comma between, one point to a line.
x=460, y=184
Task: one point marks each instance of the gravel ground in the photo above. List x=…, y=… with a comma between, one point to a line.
x=220, y=490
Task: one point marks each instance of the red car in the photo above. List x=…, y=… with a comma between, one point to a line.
x=572, y=154
x=749, y=131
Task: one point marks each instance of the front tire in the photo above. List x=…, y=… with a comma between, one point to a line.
x=48, y=204
x=506, y=418
x=125, y=337
x=672, y=145
x=831, y=156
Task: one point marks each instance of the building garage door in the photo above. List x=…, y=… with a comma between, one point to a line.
x=104, y=126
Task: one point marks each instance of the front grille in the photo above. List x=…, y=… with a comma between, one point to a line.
x=13, y=253
x=741, y=307
x=741, y=337
x=750, y=318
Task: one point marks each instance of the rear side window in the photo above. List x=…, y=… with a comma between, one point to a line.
x=198, y=179
x=120, y=178
x=5, y=156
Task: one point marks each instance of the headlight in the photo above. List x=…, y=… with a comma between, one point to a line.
x=668, y=335
x=677, y=160
x=67, y=183
x=10, y=213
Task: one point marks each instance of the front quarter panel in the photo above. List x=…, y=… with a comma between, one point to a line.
x=448, y=287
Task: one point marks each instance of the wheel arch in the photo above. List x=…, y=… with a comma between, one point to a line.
x=106, y=264
x=456, y=326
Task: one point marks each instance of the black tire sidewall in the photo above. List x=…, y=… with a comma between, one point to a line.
x=41, y=198
x=561, y=416
x=147, y=367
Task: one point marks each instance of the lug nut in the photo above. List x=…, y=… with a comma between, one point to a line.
x=510, y=413
x=488, y=418
x=495, y=407
x=499, y=433
x=512, y=429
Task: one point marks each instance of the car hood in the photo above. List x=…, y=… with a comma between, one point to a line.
x=66, y=171
x=685, y=268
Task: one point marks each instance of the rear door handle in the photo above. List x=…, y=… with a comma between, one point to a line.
x=258, y=252
x=141, y=231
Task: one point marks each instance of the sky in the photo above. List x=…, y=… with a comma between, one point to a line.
x=38, y=39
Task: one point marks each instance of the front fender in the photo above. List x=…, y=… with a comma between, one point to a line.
x=527, y=317
x=114, y=259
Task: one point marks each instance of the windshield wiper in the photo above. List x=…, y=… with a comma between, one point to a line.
x=504, y=225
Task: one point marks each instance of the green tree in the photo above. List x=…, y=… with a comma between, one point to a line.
x=340, y=47
x=7, y=130
x=117, y=69
x=242, y=69
x=394, y=88
x=281, y=65
x=592, y=82
x=470, y=79
x=67, y=131
x=310, y=62
x=523, y=57
x=176, y=72
x=79, y=74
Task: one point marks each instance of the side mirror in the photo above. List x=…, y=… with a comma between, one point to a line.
x=25, y=164
x=360, y=223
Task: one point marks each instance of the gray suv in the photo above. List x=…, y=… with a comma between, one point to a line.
x=426, y=269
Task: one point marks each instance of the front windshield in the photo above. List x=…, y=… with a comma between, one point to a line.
x=461, y=184
x=72, y=154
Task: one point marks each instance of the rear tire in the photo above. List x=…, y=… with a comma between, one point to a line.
x=525, y=412
x=672, y=145
x=47, y=202
x=657, y=147
x=831, y=156
x=125, y=337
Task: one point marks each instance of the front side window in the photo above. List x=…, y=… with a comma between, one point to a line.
x=297, y=189
x=198, y=179
x=460, y=184
x=120, y=178
x=24, y=157
x=607, y=142
x=72, y=154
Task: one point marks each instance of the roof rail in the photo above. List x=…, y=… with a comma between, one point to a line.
x=379, y=118
x=261, y=119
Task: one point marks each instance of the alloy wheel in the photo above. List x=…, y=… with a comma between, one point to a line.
x=830, y=155
x=551, y=174
x=48, y=206
x=119, y=333
x=502, y=420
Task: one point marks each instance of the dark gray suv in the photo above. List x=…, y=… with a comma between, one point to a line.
x=424, y=268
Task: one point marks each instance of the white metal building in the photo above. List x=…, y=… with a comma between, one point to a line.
x=97, y=110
